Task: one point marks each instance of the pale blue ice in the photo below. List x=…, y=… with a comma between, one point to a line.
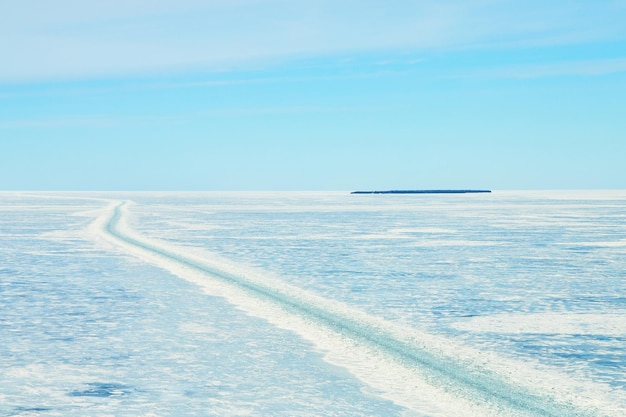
x=89, y=329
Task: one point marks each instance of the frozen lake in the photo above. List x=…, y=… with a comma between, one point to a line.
x=202, y=304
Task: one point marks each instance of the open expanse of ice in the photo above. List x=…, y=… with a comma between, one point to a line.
x=185, y=304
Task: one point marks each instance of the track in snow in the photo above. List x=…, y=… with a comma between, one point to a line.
x=484, y=390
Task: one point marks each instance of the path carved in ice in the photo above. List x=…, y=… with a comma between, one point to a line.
x=428, y=375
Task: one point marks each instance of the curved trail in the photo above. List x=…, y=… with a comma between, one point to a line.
x=486, y=392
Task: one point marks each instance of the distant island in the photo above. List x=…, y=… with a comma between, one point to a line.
x=421, y=192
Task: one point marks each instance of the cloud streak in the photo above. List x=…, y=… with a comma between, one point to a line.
x=585, y=68
x=60, y=122
x=69, y=39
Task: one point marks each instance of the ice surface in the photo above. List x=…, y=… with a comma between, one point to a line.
x=530, y=282
x=551, y=323
x=87, y=331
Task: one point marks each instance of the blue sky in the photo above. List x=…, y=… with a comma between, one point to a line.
x=312, y=95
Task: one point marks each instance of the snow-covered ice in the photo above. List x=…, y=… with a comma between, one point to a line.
x=313, y=304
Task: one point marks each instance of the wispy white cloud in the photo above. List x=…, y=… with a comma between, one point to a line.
x=59, y=122
x=287, y=110
x=77, y=39
x=117, y=121
x=121, y=39
x=205, y=82
x=572, y=68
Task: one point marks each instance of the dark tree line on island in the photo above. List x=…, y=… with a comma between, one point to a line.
x=421, y=192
